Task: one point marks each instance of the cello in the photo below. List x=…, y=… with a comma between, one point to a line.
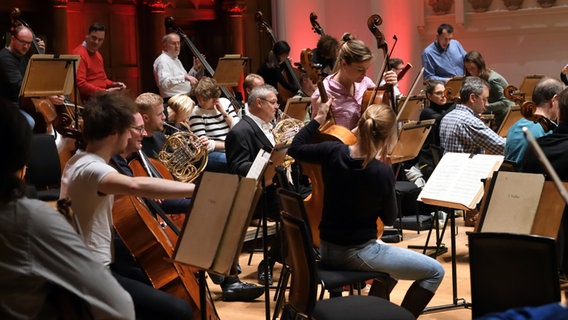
x=290, y=73
x=528, y=108
x=382, y=94
x=153, y=248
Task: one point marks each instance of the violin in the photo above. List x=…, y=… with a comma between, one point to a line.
x=380, y=94
x=528, y=108
x=290, y=73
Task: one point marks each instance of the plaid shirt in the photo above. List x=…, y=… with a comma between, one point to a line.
x=462, y=131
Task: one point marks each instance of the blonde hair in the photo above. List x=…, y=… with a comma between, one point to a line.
x=376, y=125
x=146, y=101
x=179, y=104
x=352, y=50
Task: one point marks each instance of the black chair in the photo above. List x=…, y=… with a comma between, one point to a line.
x=330, y=279
x=305, y=279
x=511, y=270
x=44, y=168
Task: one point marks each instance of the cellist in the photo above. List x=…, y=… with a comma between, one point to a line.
x=348, y=84
x=91, y=182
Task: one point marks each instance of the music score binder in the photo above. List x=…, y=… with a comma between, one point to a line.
x=297, y=108
x=456, y=180
x=513, y=115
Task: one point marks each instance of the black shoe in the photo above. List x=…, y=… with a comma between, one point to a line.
x=241, y=291
x=262, y=276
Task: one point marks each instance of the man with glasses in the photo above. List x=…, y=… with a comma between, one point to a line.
x=461, y=130
x=13, y=63
x=91, y=75
x=246, y=139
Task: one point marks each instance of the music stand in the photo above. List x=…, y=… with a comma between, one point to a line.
x=513, y=115
x=528, y=84
x=411, y=110
x=453, y=88
x=297, y=108
x=229, y=70
x=410, y=140
x=49, y=75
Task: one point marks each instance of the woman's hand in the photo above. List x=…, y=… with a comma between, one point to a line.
x=323, y=109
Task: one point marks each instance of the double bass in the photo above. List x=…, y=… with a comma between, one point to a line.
x=290, y=73
x=152, y=245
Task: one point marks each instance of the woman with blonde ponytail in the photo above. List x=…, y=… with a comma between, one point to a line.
x=358, y=189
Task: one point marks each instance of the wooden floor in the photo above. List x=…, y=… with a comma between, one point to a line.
x=444, y=295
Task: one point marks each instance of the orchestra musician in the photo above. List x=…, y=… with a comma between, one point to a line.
x=213, y=117
x=251, y=81
x=91, y=75
x=13, y=63
x=39, y=247
x=545, y=97
x=246, y=139
x=91, y=182
x=169, y=73
x=273, y=69
x=348, y=84
x=358, y=190
x=179, y=108
x=325, y=53
x=443, y=58
x=554, y=147
x=498, y=104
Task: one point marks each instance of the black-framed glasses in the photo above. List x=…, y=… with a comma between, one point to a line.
x=140, y=129
x=29, y=43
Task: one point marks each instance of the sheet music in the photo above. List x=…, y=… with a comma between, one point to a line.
x=259, y=164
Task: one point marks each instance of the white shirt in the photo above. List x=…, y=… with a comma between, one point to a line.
x=169, y=74
x=264, y=126
x=80, y=181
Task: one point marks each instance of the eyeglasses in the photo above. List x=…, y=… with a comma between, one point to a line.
x=28, y=43
x=273, y=102
x=140, y=129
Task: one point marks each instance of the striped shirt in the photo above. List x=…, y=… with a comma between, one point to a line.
x=210, y=123
x=462, y=131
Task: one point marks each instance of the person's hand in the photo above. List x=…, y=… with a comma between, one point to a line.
x=323, y=109
x=217, y=104
x=40, y=44
x=565, y=69
x=191, y=79
x=197, y=63
x=117, y=86
x=390, y=77
x=56, y=100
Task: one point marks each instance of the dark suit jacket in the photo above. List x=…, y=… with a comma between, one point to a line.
x=243, y=143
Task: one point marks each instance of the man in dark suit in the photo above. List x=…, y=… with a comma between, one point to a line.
x=246, y=139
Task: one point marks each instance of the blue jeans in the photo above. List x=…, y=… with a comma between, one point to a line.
x=399, y=263
x=217, y=162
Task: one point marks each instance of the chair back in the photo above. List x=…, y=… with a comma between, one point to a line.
x=44, y=168
x=511, y=270
x=302, y=264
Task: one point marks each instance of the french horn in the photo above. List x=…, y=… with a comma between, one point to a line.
x=183, y=155
x=284, y=132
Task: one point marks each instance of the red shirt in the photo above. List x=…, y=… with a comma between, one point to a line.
x=91, y=76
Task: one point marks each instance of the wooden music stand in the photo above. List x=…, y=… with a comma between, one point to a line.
x=528, y=84
x=511, y=206
x=453, y=88
x=411, y=110
x=513, y=115
x=229, y=70
x=297, y=108
x=49, y=75
x=410, y=140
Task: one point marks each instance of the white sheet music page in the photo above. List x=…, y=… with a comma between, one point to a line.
x=259, y=164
